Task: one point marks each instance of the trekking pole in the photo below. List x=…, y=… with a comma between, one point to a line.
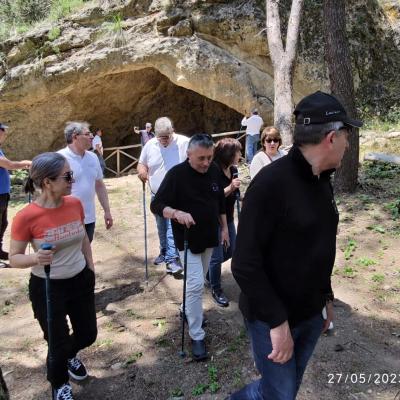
x=29, y=202
x=237, y=195
x=185, y=251
x=145, y=235
x=48, y=246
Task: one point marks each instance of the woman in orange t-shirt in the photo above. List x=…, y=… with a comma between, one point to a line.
x=58, y=219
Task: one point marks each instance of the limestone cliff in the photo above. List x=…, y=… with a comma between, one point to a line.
x=119, y=63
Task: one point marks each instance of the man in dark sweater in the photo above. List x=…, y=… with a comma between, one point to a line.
x=192, y=196
x=286, y=246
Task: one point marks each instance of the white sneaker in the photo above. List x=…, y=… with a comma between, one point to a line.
x=64, y=392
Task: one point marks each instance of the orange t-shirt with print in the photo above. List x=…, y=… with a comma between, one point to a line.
x=63, y=227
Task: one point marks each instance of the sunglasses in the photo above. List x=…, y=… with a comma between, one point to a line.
x=271, y=140
x=68, y=176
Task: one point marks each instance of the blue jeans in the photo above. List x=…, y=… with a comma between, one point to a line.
x=251, y=146
x=219, y=256
x=166, y=237
x=279, y=381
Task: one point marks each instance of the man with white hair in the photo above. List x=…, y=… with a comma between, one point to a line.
x=145, y=134
x=88, y=174
x=158, y=156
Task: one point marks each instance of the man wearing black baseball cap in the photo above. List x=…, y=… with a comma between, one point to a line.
x=286, y=247
x=5, y=166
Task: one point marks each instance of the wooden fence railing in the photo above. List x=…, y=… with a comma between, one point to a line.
x=122, y=151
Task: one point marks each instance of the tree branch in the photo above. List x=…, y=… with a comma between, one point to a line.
x=274, y=31
x=293, y=30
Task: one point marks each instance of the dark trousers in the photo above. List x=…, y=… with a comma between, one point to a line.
x=90, y=230
x=4, y=198
x=73, y=297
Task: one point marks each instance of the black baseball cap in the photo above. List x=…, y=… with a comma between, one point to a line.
x=2, y=126
x=320, y=108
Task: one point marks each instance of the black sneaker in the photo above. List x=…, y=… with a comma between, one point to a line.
x=220, y=298
x=3, y=255
x=159, y=259
x=199, y=351
x=77, y=369
x=64, y=392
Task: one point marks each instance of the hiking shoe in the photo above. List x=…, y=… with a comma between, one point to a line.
x=174, y=267
x=220, y=298
x=64, y=392
x=3, y=255
x=77, y=369
x=159, y=259
x=199, y=351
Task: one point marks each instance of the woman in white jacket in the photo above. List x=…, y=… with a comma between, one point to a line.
x=270, y=143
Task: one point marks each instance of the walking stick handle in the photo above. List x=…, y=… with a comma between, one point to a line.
x=46, y=246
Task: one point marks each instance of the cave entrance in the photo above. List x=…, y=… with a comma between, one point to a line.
x=118, y=102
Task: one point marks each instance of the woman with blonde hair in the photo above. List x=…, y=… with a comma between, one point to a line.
x=270, y=142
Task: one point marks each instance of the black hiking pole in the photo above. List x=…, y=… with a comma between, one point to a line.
x=185, y=251
x=145, y=235
x=47, y=246
x=237, y=195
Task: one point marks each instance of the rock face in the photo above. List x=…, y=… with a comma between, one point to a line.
x=202, y=62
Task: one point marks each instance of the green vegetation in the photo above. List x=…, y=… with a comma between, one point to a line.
x=213, y=385
x=382, y=123
x=177, y=392
x=349, y=249
x=54, y=33
x=133, y=358
x=349, y=272
x=199, y=389
x=365, y=262
x=378, y=278
x=18, y=16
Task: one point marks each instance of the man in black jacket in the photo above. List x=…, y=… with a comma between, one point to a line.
x=192, y=196
x=286, y=246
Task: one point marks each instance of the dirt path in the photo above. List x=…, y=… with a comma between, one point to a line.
x=136, y=352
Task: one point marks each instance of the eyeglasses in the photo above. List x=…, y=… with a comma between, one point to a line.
x=68, y=176
x=271, y=140
x=163, y=136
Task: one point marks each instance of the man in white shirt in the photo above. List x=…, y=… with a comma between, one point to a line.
x=158, y=156
x=253, y=126
x=88, y=175
x=97, y=145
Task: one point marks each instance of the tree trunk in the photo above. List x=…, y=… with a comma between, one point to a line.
x=283, y=62
x=341, y=78
x=283, y=105
x=3, y=388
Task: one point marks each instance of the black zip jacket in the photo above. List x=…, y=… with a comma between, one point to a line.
x=201, y=195
x=286, y=242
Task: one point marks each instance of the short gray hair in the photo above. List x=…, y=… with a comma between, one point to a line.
x=73, y=127
x=45, y=165
x=200, y=140
x=163, y=125
x=314, y=133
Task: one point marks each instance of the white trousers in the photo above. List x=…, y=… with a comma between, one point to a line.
x=197, y=266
